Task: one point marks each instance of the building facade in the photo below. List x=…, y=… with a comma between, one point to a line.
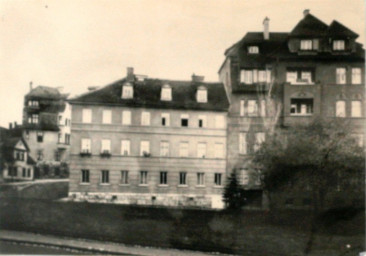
x=150, y=141
x=277, y=80
x=46, y=129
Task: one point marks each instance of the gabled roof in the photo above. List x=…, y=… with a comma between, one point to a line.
x=338, y=29
x=147, y=94
x=11, y=142
x=310, y=26
x=45, y=92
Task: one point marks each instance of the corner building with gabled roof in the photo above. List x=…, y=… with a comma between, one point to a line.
x=316, y=70
x=150, y=141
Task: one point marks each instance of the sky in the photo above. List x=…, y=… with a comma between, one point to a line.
x=75, y=44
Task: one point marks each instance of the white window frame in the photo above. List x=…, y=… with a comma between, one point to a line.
x=242, y=108
x=306, y=45
x=246, y=76
x=164, y=148
x=201, y=150
x=127, y=91
x=86, y=115
x=291, y=77
x=85, y=145
x=253, y=49
x=339, y=45
x=356, y=108
x=218, y=179
x=124, y=177
x=260, y=137
x=341, y=75
x=243, y=144
x=252, y=108
x=143, y=178
x=244, y=177
x=202, y=118
x=356, y=76
x=166, y=93
x=262, y=76
x=340, y=108
x=167, y=119
x=105, y=146
x=145, y=118
x=219, y=150
x=182, y=179
x=144, y=147
x=125, y=147
x=126, y=117
x=183, y=149
x=202, y=95
x=163, y=178
x=201, y=179
x=104, y=177
x=85, y=179
x=107, y=116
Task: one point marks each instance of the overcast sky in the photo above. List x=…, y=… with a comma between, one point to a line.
x=81, y=43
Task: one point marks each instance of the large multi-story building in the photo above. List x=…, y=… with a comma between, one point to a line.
x=282, y=79
x=46, y=127
x=150, y=141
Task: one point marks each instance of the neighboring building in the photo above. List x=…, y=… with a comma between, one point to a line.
x=315, y=70
x=150, y=141
x=46, y=128
x=15, y=162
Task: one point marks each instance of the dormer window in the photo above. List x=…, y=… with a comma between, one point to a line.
x=309, y=45
x=202, y=94
x=253, y=49
x=127, y=91
x=338, y=45
x=166, y=93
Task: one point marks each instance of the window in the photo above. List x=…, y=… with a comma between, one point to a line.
x=39, y=154
x=24, y=172
x=87, y=116
x=263, y=108
x=124, y=177
x=164, y=148
x=340, y=75
x=253, y=49
x=143, y=178
x=85, y=176
x=33, y=119
x=145, y=118
x=202, y=95
x=184, y=120
x=125, y=147
x=165, y=119
x=106, y=146
x=126, y=117
x=220, y=122
x=57, y=155
x=144, y=148
x=300, y=76
x=356, y=108
x=246, y=76
x=59, y=137
x=341, y=108
x=67, y=139
x=107, y=116
x=244, y=177
x=39, y=136
x=59, y=120
x=249, y=76
x=306, y=44
x=219, y=150
x=218, y=181
x=33, y=103
x=127, y=91
x=201, y=150
x=163, y=178
x=243, y=143
x=356, y=76
x=259, y=139
x=182, y=178
x=252, y=108
x=105, y=177
x=202, y=121
x=200, y=179
x=85, y=146
x=301, y=107
x=338, y=45
x=166, y=93
x=183, y=149
x=242, y=108
x=28, y=172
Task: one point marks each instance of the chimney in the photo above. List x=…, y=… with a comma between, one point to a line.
x=197, y=78
x=10, y=126
x=306, y=12
x=30, y=86
x=266, y=28
x=130, y=76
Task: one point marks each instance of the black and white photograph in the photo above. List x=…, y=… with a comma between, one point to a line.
x=182, y=127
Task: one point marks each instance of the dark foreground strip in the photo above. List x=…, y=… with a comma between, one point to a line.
x=64, y=247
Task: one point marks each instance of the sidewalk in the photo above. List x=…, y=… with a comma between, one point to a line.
x=92, y=246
